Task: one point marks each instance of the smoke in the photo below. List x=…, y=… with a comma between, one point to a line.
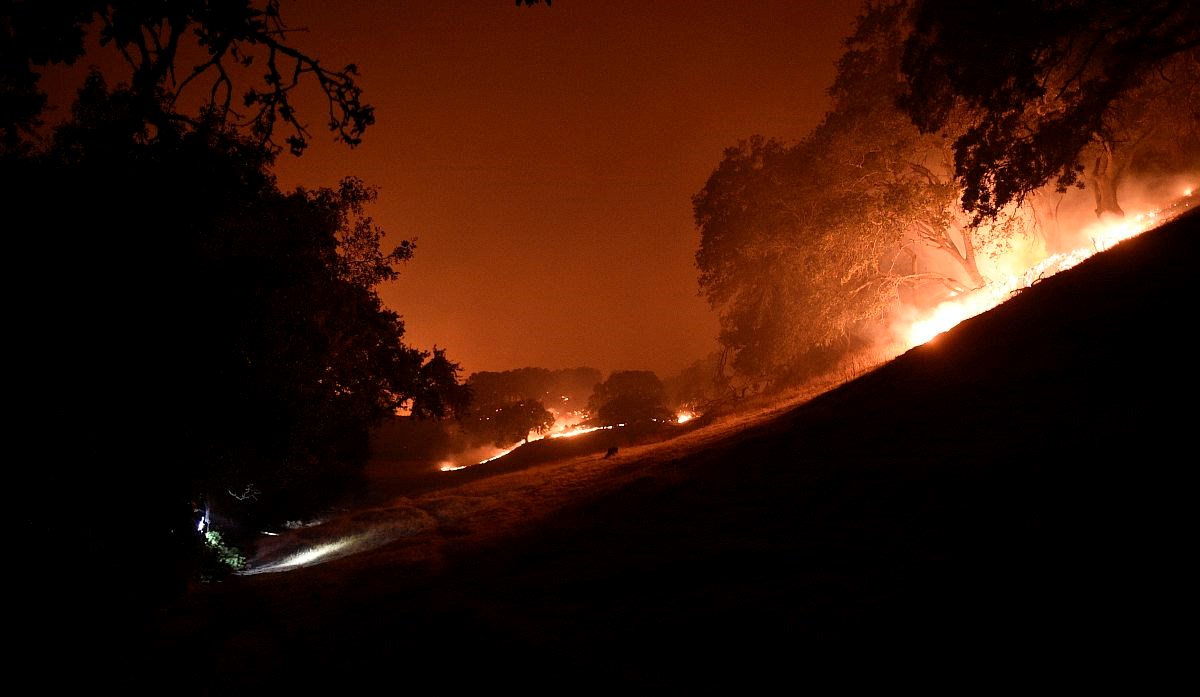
x=1051, y=232
x=472, y=456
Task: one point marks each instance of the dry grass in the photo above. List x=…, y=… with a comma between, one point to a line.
x=1008, y=500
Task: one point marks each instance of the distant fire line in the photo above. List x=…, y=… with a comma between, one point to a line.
x=568, y=432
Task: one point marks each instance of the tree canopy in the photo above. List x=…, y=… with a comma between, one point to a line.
x=565, y=389
x=1036, y=81
x=915, y=182
x=227, y=61
x=629, y=396
x=200, y=345
x=806, y=247
x=513, y=422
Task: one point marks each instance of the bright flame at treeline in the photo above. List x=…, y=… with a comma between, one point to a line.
x=1102, y=235
x=941, y=318
x=567, y=427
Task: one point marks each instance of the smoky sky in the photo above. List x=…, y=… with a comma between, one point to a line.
x=544, y=158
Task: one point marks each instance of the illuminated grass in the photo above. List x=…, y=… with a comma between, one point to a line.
x=313, y=555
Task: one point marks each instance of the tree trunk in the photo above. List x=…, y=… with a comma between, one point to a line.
x=962, y=250
x=968, y=259
x=1105, y=176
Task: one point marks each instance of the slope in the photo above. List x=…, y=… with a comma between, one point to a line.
x=1009, y=501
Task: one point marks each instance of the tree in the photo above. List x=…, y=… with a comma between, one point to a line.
x=629, y=396
x=507, y=405
x=1150, y=132
x=514, y=422
x=562, y=389
x=243, y=69
x=439, y=393
x=200, y=340
x=808, y=248
x=1036, y=82
x=702, y=382
x=756, y=248
x=257, y=336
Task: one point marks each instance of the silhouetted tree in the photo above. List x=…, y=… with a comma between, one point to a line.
x=257, y=340
x=241, y=66
x=514, y=422
x=700, y=383
x=492, y=389
x=439, y=393
x=808, y=248
x=1036, y=83
x=199, y=338
x=629, y=396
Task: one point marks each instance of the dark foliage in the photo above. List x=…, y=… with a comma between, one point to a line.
x=191, y=343
x=514, y=422
x=233, y=53
x=566, y=389
x=1035, y=80
x=628, y=397
x=192, y=340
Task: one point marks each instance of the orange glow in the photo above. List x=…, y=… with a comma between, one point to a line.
x=566, y=427
x=577, y=431
x=1103, y=235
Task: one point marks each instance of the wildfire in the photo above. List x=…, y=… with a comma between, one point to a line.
x=560, y=430
x=1102, y=236
x=448, y=466
x=566, y=427
x=576, y=431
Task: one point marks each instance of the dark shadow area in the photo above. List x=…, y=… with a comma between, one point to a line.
x=1010, y=501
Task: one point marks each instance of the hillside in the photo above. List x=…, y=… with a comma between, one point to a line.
x=1009, y=501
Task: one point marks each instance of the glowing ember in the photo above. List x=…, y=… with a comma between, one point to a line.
x=560, y=430
x=497, y=456
x=577, y=431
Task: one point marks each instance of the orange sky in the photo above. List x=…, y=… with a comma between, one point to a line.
x=545, y=159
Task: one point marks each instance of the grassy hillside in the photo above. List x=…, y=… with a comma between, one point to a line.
x=1010, y=501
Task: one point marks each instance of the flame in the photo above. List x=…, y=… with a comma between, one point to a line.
x=1102, y=235
x=566, y=427
x=577, y=431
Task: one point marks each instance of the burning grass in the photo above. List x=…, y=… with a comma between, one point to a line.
x=496, y=495
x=1015, y=277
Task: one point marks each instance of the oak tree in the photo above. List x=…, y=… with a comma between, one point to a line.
x=1037, y=83
x=627, y=397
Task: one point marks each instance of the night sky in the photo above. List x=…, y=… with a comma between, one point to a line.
x=544, y=158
